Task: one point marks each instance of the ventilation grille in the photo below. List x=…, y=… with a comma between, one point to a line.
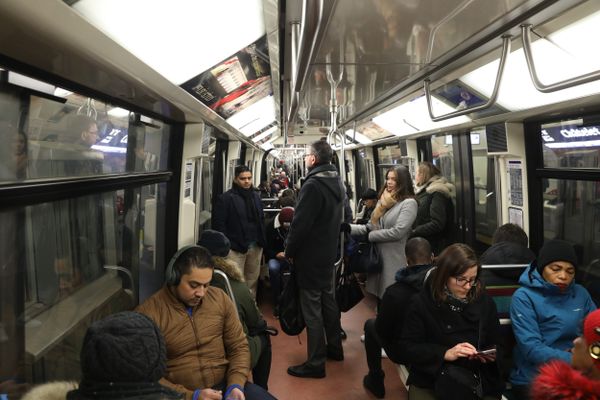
x=496, y=138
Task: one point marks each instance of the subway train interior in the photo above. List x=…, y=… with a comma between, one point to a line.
x=503, y=96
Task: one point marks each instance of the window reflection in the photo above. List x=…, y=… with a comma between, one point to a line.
x=58, y=274
x=484, y=177
x=572, y=212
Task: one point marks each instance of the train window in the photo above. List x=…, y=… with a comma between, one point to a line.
x=71, y=135
x=571, y=213
x=571, y=144
x=443, y=156
x=484, y=178
x=67, y=263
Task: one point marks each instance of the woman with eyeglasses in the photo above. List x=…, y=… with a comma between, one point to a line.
x=451, y=332
x=546, y=313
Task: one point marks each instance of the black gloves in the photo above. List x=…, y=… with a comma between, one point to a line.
x=345, y=227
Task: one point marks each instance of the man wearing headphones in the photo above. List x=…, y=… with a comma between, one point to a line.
x=207, y=352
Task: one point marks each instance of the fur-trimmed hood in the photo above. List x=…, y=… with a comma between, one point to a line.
x=229, y=267
x=558, y=380
x=50, y=391
x=438, y=184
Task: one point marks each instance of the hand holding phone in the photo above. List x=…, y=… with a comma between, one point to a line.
x=485, y=356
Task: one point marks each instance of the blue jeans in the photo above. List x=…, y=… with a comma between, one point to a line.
x=276, y=268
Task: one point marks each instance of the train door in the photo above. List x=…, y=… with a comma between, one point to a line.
x=464, y=161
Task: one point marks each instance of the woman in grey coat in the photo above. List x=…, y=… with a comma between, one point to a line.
x=390, y=226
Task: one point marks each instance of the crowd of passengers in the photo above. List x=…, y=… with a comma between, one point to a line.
x=434, y=315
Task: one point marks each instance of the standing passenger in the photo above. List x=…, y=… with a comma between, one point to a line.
x=207, y=351
x=546, y=312
x=238, y=215
x=390, y=226
x=312, y=245
x=435, y=219
x=277, y=231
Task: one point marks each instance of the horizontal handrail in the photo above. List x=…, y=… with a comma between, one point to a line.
x=491, y=101
x=553, y=87
x=504, y=266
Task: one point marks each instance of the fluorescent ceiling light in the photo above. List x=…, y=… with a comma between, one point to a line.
x=570, y=56
x=60, y=92
x=30, y=83
x=264, y=134
x=412, y=117
x=118, y=112
x=254, y=117
x=177, y=38
x=359, y=137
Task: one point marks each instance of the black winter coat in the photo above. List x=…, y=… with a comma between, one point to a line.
x=435, y=215
x=505, y=253
x=275, y=239
x=394, y=304
x=231, y=218
x=313, y=237
x=430, y=329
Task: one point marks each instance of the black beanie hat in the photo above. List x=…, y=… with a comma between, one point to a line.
x=556, y=250
x=123, y=347
x=215, y=242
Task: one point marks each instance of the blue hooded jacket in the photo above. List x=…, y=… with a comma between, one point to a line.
x=545, y=322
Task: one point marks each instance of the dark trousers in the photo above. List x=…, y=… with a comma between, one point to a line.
x=520, y=392
x=372, y=348
x=262, y=369
x=322, y=318
x=251, y=391
x=276, y=270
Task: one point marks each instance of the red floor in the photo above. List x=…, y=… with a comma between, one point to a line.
x=344, y=379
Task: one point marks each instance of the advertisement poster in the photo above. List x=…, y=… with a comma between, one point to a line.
x=235, y=83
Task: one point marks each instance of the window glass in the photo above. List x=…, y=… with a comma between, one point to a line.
x=443, y=155
x=389, y=154
x=68, y=263
x=484, y=177
x=571, y=213
x=571, y=144
x=74, y=135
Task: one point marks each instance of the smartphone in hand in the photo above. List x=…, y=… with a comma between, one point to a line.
x=485, y=356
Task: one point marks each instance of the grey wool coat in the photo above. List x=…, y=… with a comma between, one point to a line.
x=394, y=229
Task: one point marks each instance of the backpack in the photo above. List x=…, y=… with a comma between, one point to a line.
x=290, y=312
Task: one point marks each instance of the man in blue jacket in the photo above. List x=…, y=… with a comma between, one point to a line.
x=238, y=214
x=312, y=245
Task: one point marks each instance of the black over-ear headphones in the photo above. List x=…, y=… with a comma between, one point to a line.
x=172, y=274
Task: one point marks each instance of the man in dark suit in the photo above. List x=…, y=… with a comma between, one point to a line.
x=238, y=214
x=312, y=246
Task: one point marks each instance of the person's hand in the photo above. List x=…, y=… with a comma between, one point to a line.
x=464, y=349
x=13, y=389
x=345, y=227
x=210, y=394
x=236, y=394
x=280, y=255
x=484, y=358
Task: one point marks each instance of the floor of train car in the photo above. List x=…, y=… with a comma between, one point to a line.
x=344, y=379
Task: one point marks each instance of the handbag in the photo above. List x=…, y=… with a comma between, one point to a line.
x=457, y=383
x=290, y=312
x=366, y=259
x=347, y=291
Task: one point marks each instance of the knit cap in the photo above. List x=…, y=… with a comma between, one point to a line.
x=369, y=194
x=123, y=347
x=556, y=250
x=591, y=333
x=286, y=215
x=215, y=242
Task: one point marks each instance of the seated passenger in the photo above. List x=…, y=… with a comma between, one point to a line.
x=509, y=246
x=211, y=365
x=369, y=201
x=546, y=312
x=446, y=325
x=253, y=323
x=276, y=234
x=384, y=331
x=581, y=379
x=123, y=356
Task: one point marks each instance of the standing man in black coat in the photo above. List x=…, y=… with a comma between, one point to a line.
x=239, y=215
x=312, y=246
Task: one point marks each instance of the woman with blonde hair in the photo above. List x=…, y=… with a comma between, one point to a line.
x=389, y=227
x=435, y=217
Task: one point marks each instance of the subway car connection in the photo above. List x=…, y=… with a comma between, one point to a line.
x=127, y=124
